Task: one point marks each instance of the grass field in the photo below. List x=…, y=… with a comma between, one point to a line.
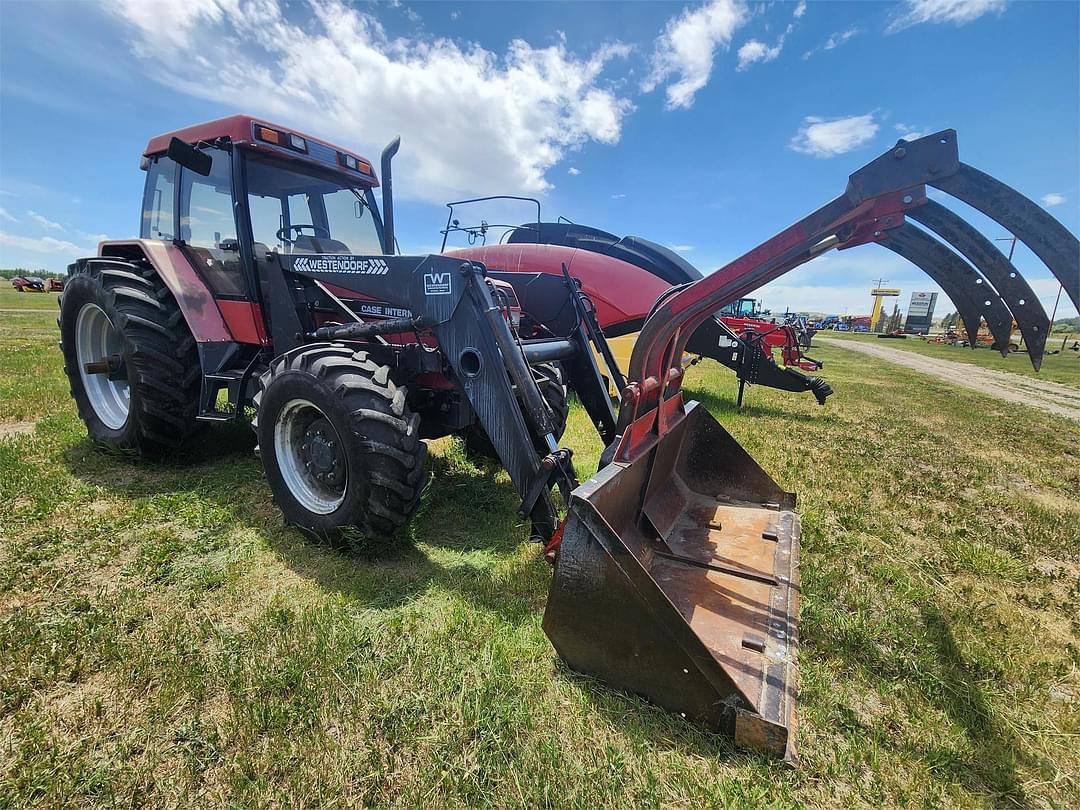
x=1063, y=367
x=13, y=299
x=165, y=640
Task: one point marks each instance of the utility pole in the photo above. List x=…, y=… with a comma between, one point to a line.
x=875, y=313
x=1054, y=313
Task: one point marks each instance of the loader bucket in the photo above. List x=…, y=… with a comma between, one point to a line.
x=689, y=596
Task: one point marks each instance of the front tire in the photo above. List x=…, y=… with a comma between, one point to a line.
x=339, y=445
x=120, y=313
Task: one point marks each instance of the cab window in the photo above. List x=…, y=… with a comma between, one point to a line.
x=158, y=221
x=300, y=209
x=208, y=227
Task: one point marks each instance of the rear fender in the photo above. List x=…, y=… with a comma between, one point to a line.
x=192, y=295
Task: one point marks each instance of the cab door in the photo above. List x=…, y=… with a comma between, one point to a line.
x=207, y=227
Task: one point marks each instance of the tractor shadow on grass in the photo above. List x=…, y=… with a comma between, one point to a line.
x=466, y=541
x=996, y=751
x=468, y=510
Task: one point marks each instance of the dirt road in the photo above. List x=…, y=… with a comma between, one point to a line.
x=1049, y=396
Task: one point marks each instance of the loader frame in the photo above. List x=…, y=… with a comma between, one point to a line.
x=698, y=544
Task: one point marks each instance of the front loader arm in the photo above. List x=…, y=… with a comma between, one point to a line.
x=677, y=577
x=872, y=209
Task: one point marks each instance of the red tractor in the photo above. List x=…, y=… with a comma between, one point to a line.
x=745, y=318
x=266, y=282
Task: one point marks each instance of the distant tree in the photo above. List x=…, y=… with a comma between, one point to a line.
x=10, y=273
x=1067, y=325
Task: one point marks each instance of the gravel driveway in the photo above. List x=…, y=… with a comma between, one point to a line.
x=1049, y=396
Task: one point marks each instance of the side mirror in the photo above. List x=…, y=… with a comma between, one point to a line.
x=189, y=157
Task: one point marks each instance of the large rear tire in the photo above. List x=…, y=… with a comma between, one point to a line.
x=339, y=445
x=549, y=379
x=120, y=313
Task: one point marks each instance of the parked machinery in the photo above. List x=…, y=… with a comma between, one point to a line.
x=265, y=280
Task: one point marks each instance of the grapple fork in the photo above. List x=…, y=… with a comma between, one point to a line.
x=677, y=575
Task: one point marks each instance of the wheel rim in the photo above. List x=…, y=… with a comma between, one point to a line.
x=96, y=340
x=310, y=457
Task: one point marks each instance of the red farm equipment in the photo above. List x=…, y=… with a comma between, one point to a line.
x=626, y=277
x=266, y=276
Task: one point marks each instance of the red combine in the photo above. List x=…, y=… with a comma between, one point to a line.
x=266, y=282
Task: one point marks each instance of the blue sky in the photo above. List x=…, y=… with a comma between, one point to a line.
x=706, y=127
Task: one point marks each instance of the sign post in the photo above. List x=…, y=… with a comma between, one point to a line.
x=879, y=293
x=920, y=313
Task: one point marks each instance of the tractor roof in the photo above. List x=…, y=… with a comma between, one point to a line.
x=256, y=133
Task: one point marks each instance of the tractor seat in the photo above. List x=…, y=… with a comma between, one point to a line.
x=306, y=243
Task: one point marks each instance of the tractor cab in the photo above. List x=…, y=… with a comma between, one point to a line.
x=245, y=188
x=743, y=308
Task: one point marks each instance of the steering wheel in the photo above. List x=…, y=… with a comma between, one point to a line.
x=284, y=233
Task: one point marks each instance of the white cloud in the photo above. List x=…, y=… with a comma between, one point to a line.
x=757, y=51
x=94, y=237
x=682, y=248
x=908, y=133
x=839, y=283
x=826, y=138
x=573, y=171
x=48, y=224
x=1053, y=198
x=44, y=244
x=958, y=12
x=686, y=48
x=839, y=38
x=6, y=216
x=473, y=121
x=835, y=40
x=618, y=196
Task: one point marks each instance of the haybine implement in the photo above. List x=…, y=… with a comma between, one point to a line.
x=265, y=280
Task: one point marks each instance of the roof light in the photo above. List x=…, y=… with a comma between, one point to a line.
x=267, y=134
x=298, y=143
x=354, y=163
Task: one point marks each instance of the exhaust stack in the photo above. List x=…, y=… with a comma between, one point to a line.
x=389, y=238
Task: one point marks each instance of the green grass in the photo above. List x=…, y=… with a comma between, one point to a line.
x=165, y=640
x=11, y=298
x=1062, y=367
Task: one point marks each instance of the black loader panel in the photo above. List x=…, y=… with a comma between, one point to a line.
x=450, y=300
